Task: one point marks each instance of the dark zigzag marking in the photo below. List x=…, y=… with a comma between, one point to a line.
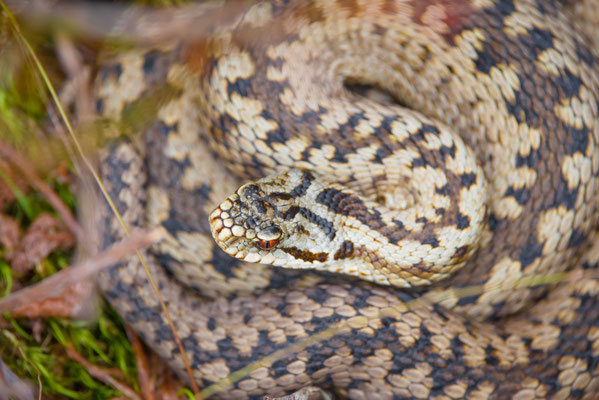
x=349, y=205
x=323, y=224
x=352, y=206
x=301, y=189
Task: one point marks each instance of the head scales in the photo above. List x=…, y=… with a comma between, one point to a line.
x=296, y=219
x=262, y=222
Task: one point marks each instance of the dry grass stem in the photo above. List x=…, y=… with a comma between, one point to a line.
x=102, y=374
x=54, y=285
x=67, y=216
x=141, y=361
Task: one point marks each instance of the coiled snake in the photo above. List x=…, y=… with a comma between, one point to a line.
x=480, y=167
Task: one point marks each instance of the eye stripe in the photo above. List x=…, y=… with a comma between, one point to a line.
x=305, y=255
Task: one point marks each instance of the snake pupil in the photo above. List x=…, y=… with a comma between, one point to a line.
x=267, y=244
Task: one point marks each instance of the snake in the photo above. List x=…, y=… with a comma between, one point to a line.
x=334, y=163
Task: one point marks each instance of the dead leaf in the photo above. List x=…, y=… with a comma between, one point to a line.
x=156, y=380
x=63, y=174
x=45, y=235
x=56, y=285
x=141, y=360
x=10, y=232
x=76, y=301
x=159, y=377
x=168, y=388
x=7, y=195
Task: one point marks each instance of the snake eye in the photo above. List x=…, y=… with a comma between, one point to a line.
x=269, y=237
x=267, y=244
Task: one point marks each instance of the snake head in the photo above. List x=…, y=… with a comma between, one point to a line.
x=261, y=222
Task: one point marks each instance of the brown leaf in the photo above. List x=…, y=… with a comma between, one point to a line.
x=162, y=380
x=56, y=285
x=168, y=388
x=24, y=165
x=7, y=194
x=76, y=300
x=156, y=380
x=143, y=374
x=63, y=174
x=10, y=232
x=45, y=235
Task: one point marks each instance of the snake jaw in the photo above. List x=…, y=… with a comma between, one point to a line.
x=244, y=221
x=297, y=219
x=261, y=223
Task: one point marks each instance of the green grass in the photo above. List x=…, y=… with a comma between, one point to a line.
x=102, y=341
x=43, y=361
x=23, y=102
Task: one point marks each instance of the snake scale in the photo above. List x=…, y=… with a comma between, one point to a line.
x=475, y=162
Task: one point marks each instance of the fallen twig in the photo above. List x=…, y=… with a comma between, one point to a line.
x=141, y=360
x=57, y=283
x=44, y=189
x=75, y=301
x=76, y=91
x=101, y=374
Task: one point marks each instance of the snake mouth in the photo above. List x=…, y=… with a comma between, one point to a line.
x=224, y=231
x=245, y=225
x=233, y=237
x=242, y=248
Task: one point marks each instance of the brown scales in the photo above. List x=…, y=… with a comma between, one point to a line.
x=430, y=351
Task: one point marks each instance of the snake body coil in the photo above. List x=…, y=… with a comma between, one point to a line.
x=480, y=168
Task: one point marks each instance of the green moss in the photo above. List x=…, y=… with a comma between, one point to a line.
x=102, y=342
x=40, y=355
